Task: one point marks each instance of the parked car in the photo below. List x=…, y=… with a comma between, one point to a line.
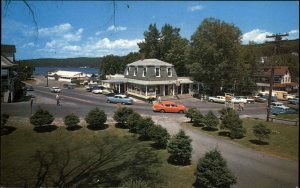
x=293, y=101
x=248, y=99
x=238, y=99
x=276, y=104
x=55, y=89
x=123, y=99
x=273, y=99
x=98, y=90
x=168, y=106
x=90, y=87
x=283, y=110
x=107, y=91
x=220, y=99
x=290, y=96
x=260, y=99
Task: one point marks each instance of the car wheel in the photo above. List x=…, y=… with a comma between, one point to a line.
x=162, y=111
x=211, y=100
x=181, y=111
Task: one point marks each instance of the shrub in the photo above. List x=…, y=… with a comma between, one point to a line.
x=4, y=118
x=96, y=118
x=180, y=149
x=121, y=115
x=211, y=121
x=234, y=124
x=144, y=126
x=212, y=171
x=198, y=118
x=133, y=120
x=261, y=131
x=71, y=120
x=191, y=113
x=135, y=183
x=224, y=111
x=159, y=135
x=41, y=117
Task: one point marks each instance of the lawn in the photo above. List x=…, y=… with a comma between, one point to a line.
x=83, y=158
x=288, y=116
x=283, y=142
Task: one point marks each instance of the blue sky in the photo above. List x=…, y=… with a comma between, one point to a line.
x=86, y=28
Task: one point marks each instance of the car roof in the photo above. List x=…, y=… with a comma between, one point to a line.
x=282, y=107
x=120, y=96
x=277, y=103
x=168, y=102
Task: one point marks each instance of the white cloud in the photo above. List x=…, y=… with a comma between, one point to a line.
x=72, y=48
x=195, y=8
x=30, y=44
x=115, y=29
x=293, y=34
x=98, y=33
x=55, y=30
x=256, y=35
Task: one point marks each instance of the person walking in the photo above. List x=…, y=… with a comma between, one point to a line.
x=242, y=106
x=57, y=100
x=159, y=99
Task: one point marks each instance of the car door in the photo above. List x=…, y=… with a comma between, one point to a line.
x=168, y=107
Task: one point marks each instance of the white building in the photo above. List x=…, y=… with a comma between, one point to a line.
x=67, y=76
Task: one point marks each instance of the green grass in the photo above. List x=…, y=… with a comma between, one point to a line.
x=288, y=116
x=283, y=141
x=123, y=156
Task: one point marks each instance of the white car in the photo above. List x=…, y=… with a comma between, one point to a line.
x=239, y=99
x=278, y=104
x=55, y=89
x=248, y=99
x=99, y=90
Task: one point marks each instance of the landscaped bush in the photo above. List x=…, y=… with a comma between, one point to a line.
x=261, y=132
x=121, y=115
x=212, y=171
x=133, y=120
x=159, y=135
x=96, y=118
x=71, y=120
x=211, y=121
x=191, y=112
x=198, y=118
x=234, y=124
x=41, y=117
x=180, y=149
x=144, y=126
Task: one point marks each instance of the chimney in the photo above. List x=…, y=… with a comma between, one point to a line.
x=142, y=56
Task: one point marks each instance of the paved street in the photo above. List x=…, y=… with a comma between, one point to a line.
x=253, y=169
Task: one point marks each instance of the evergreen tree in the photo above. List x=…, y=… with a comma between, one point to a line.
x=261, y=131
x=144, y=126
x=212, y=171
x=71, y=120
x=211, y=121
x=234, y=124
x=41, y=117
x=133, y=121
x=159, y=136
x=96, y=118
x=121, y=115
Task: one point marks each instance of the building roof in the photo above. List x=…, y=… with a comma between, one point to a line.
x=149, y=62
x=8, y=48
x=278, y=71
x=66, y=73
x=5, y=62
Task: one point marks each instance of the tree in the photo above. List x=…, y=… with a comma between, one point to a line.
x=159, y=136
x=214, y=53
x=133, y=121
x=144, y=126
x=19, y=91
x=261, y=131
x=71, y=120
x=180, y=149
x=121, y=115
x=96, y=118
x=150, y=47
x=212, y=171
x=234, y=124
x=211, y=121
x=41, y=117
x=198, y=118
x=191, y=113
x=25, y=70
x=112, y=64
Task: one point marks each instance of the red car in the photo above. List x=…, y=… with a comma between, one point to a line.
x=168, y=106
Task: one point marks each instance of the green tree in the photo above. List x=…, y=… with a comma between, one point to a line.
x=121, y=115
x=214, y=53
x=211, y=121
x=71, y=120
x=144, y=126
x=191, y=113
x=19, y=91
x=41, y=117
x=96, y=118
x=261, y=131
x=25, y=70
x=212, y=171
x=159, y=136
x=180, y=149
x=133, y=121
x=150, y=47
x=234, y=124
x=198, y=118
x=112, y=64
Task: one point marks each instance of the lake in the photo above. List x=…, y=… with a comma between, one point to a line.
x=44, y=70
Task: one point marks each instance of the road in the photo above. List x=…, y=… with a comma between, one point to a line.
x=253, y=169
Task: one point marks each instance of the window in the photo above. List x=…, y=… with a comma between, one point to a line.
x=157, y=72
x=144, y=71
x=135, y=71
x=127, y=70
x=169, y=72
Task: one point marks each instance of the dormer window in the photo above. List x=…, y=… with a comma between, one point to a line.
x=169, y=72
x=157, y=71
x=144, y=71
x=127, y=70
x=135, y=71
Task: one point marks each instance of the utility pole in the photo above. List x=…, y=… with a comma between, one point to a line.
x=277, y=38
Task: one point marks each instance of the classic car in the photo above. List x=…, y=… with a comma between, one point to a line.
x=123, y=99
x=97, y=90
x=239, y=99
x=168, y=106
x=248, y=99
x=283, y=110
x=293, y=101
x=55, y=89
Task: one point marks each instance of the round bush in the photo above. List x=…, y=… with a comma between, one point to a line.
x=41, y=117
x=96, y=118
x=71, y=120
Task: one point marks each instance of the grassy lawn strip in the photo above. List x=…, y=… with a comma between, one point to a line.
x=282, y=143
x=288, y=116
x=114, y=154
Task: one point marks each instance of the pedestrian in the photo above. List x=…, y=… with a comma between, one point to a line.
x=242, y=106
x=57, y=100
x=159, y=99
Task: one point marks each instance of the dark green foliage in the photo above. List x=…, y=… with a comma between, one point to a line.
x=41, y=117
x=224, y=111
x=133, y=120
x=71, y=120
x=180, y=149
x=159, y=135
x=212, y=171
x=121, y=115
x=135, y=183
x=4, y=118
x=96, y=118
x=198, y=118
x=211, y=121
x=112, y=64
x=261, y=131
x=19, y=91
x=25, y=70
x=191, y=113
x=234, y=124
x=144, y=126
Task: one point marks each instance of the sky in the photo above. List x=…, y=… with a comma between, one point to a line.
x=67, y=29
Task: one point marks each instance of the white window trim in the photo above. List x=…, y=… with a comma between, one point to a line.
x=135, y=71
x=144, y=71
x=127, y=70
x=170, y=71
x=159, y=71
